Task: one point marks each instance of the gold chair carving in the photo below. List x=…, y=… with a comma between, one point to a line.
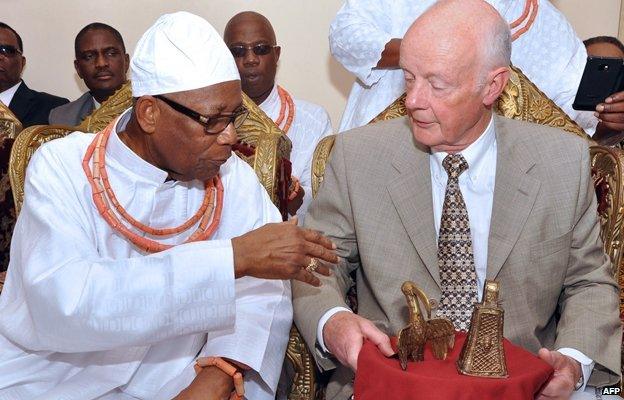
x=522, y=100
x=607, y=172
x=10, y=126
x=267, y=149
x=29, y=140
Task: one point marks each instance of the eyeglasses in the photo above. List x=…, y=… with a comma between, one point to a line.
x=9, y=51
x=259, y=50
x=212, y=125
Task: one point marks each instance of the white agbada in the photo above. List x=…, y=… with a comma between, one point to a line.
x=310, y=125
x=85, y=315
x=549, y=53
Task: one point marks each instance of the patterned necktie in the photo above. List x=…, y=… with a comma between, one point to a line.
x=458, y=278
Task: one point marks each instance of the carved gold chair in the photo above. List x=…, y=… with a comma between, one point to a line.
x=32, y=137
x=520, y=100
x=10, y=127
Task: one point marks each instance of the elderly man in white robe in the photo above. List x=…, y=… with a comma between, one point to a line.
x=251, y=39
x=365, y=37
x=103, y=300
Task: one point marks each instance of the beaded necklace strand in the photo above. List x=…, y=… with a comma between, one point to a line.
x=287, y=104
x=529, y=14
x=209, y=213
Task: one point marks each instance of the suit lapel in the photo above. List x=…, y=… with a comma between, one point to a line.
x=514, y=195
x=410, y=192
x=21, y=102
x=86, y=107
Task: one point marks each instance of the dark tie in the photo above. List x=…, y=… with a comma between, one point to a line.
x=458, y=277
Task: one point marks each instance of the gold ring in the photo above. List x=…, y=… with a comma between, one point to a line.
x=313, y=265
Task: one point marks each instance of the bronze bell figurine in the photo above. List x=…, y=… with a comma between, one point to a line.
x=482, y=354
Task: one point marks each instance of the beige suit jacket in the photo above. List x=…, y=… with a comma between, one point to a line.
x=544, y=247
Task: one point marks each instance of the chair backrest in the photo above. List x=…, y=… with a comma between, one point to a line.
x=607, y=165
x=522, y=100
x=263, y=145
x=29, y=140
x=10, y=126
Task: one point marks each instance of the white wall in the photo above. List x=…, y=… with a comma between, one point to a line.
x=592, y=18
x=307, y=70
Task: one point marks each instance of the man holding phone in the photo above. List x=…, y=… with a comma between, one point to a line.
x=610, y=129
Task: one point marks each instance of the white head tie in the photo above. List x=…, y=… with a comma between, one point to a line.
x=181, y=51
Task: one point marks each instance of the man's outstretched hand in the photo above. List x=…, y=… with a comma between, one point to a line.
x=344, y=334
x=282, y=251
x=562, y=382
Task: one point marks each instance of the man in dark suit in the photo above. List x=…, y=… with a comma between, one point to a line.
x=102, y=63
x=29, y=106
x=452, y=195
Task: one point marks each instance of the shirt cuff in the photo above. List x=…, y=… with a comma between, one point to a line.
x=587, y=364
x=319, y=330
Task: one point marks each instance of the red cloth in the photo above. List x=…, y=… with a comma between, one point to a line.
x=379, y=377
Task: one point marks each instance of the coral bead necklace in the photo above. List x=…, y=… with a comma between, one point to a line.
x=208, y=215
x=287, y=107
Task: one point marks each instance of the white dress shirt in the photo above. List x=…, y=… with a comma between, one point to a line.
x=477, y=188
x=7, y=95
x=84, y=314
x=310, y=124
x=549, y=53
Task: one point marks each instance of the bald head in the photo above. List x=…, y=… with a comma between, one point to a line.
x=472, y=24
x=245, y=20
x=455, y=58
x=251, y=39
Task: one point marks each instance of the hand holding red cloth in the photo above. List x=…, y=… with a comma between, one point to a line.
x=379, y=377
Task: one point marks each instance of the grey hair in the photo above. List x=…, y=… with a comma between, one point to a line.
x=497, y=47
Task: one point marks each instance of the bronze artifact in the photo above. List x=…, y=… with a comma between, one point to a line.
x=412, y=338
x=482, y=354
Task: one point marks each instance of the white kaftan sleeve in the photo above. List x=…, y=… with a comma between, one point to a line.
x=358, y=35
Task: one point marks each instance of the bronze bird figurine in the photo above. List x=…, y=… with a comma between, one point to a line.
x=439, y=331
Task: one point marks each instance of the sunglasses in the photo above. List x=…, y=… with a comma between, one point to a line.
x=212, y=125
x=9, y=51
x=259, y=50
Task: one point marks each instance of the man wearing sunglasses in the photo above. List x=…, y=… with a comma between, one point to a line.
x=102, y=63
x=149, y=247
x=29, y=106
x=251, y=40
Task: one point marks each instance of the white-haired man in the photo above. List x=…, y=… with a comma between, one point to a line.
x=114, y=290
x=452, y=195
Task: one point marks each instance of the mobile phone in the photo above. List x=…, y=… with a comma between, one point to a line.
x=602, y=77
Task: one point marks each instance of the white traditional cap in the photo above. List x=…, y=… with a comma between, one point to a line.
x=181, y=51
